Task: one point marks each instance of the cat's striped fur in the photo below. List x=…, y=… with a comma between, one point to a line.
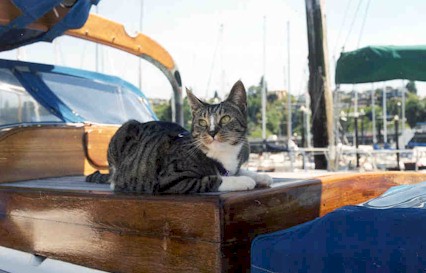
x=162, y=157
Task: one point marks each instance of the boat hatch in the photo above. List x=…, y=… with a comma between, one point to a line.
x=36, y=93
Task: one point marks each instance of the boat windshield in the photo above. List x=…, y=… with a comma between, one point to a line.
x=17, y=105
x=97, y=101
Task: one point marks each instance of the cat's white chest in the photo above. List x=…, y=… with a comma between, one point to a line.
x=226, y=154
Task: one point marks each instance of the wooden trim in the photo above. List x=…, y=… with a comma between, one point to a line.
x=107, y=32
x=355, y=188
x=304, y=200
x=43, y=151
x=96, y=141
x=36, y=152
x=103, y=31
x=96, y=29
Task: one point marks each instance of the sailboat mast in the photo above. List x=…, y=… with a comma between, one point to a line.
x=289, y=125
x=222, y=66
x=218, y=44
x=289, y=129
x=385, y=121
x=140, y=59
x=97, y=46
x=373, y=112
x=403, y=114
x=319, y=90
x=264, y=82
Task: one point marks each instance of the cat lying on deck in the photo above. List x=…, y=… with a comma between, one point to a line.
x=162, y=157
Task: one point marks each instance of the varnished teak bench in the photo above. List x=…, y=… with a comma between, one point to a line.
x=87, y=224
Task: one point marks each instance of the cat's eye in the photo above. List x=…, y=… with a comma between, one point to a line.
x=202, y=122
x=225, y=119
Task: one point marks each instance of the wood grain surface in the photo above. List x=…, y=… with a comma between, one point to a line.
x=117, y=233
x=172, y=233
x=52, y=151
x=103, y=31
x=248, y=214
x=35, y=152
x=96, y=141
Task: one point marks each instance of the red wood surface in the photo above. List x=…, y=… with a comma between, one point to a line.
x=172, y=233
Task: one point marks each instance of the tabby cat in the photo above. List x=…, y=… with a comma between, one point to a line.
x=162, y=157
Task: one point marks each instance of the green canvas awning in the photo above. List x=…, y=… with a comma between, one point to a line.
x=382, y=63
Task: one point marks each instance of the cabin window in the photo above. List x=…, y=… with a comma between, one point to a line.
x=17, y=105
x=98, y=101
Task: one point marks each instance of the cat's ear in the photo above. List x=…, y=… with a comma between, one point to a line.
x=193, y=101
x=238, y=96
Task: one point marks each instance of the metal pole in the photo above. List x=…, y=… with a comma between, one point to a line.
x=222, y=67
x=385, y=121
x=396, y=140
x=97, y=46
x=303, y=137
x=373, y=112
x=303, y=129
x=379, y=134
x=356, y=139
x=336, y=119
x=140, y=59
x=264, y=82
x=308, y=132
x=403, y=115
x=289, y=125
x=355, y=109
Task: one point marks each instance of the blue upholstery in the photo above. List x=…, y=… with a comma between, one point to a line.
x=375, y=237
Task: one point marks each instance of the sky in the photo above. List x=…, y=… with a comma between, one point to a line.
x=212, y=59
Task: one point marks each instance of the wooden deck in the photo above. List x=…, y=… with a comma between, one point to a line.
x=77, y=183
x=87, y=224
x=73, y=183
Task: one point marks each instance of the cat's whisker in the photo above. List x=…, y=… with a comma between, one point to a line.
x=193, y=147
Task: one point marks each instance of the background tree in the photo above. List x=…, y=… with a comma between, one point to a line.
x=276, y=112
x=415, y=109
x=254, y=109
x=411, y=87
x=164, y=112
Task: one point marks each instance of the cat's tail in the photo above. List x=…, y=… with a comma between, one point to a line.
x=97, y=177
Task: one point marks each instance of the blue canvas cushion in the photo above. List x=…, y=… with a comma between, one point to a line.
x=369, y=238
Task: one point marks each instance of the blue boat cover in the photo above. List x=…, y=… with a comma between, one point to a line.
x=16, y=33
x=95, y=89
x=386, y=234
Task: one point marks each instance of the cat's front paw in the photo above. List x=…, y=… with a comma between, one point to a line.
x=237, y=183
x=263, y=180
